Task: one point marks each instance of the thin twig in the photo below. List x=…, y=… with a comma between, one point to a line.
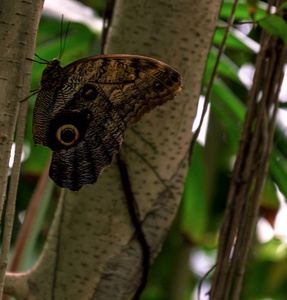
x=213, y=76
x=234, y=205
x=133, y=211
x=275, y=80
x=202, y=280
x=29, y=220
x=249, y=171
x=12, y=193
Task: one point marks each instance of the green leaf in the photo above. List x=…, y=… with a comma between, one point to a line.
x=283, y=104
x=226, y=68
x=233, y=42
x=278, y=170
x=283, y=6
x=241, y=12
x=275, y=25
x=226, y=98
x=194, y=204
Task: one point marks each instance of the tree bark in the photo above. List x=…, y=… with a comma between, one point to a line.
x=92, y=251
x=19, y=22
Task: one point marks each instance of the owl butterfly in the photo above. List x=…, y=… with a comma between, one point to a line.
x=83, y=110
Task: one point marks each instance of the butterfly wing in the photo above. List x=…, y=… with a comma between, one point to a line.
x=84, y=117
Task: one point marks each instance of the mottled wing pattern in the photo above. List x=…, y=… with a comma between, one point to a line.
x=99, y=98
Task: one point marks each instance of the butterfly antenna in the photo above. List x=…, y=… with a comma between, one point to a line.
x=36, y=91
x=62, y=49
x=46, y=61
x=66, y=34
x=61, y=38
x=38, y=62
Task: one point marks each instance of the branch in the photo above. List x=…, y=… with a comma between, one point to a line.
x=250, y=170
x=213, y=76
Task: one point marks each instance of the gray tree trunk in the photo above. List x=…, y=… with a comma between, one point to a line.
x=18, y=31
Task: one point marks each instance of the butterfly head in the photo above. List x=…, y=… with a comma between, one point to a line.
x=51, y=73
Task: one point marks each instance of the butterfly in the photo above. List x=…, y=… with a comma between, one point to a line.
x=83, y=110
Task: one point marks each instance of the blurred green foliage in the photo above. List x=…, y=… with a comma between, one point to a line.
x=198, y=222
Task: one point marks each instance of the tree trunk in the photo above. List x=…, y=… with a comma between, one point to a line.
x=92, y=251
x=19, y=23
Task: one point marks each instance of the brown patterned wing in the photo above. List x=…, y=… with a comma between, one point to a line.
x=83, y=115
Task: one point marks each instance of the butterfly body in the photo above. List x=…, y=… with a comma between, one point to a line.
x=83, y=110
